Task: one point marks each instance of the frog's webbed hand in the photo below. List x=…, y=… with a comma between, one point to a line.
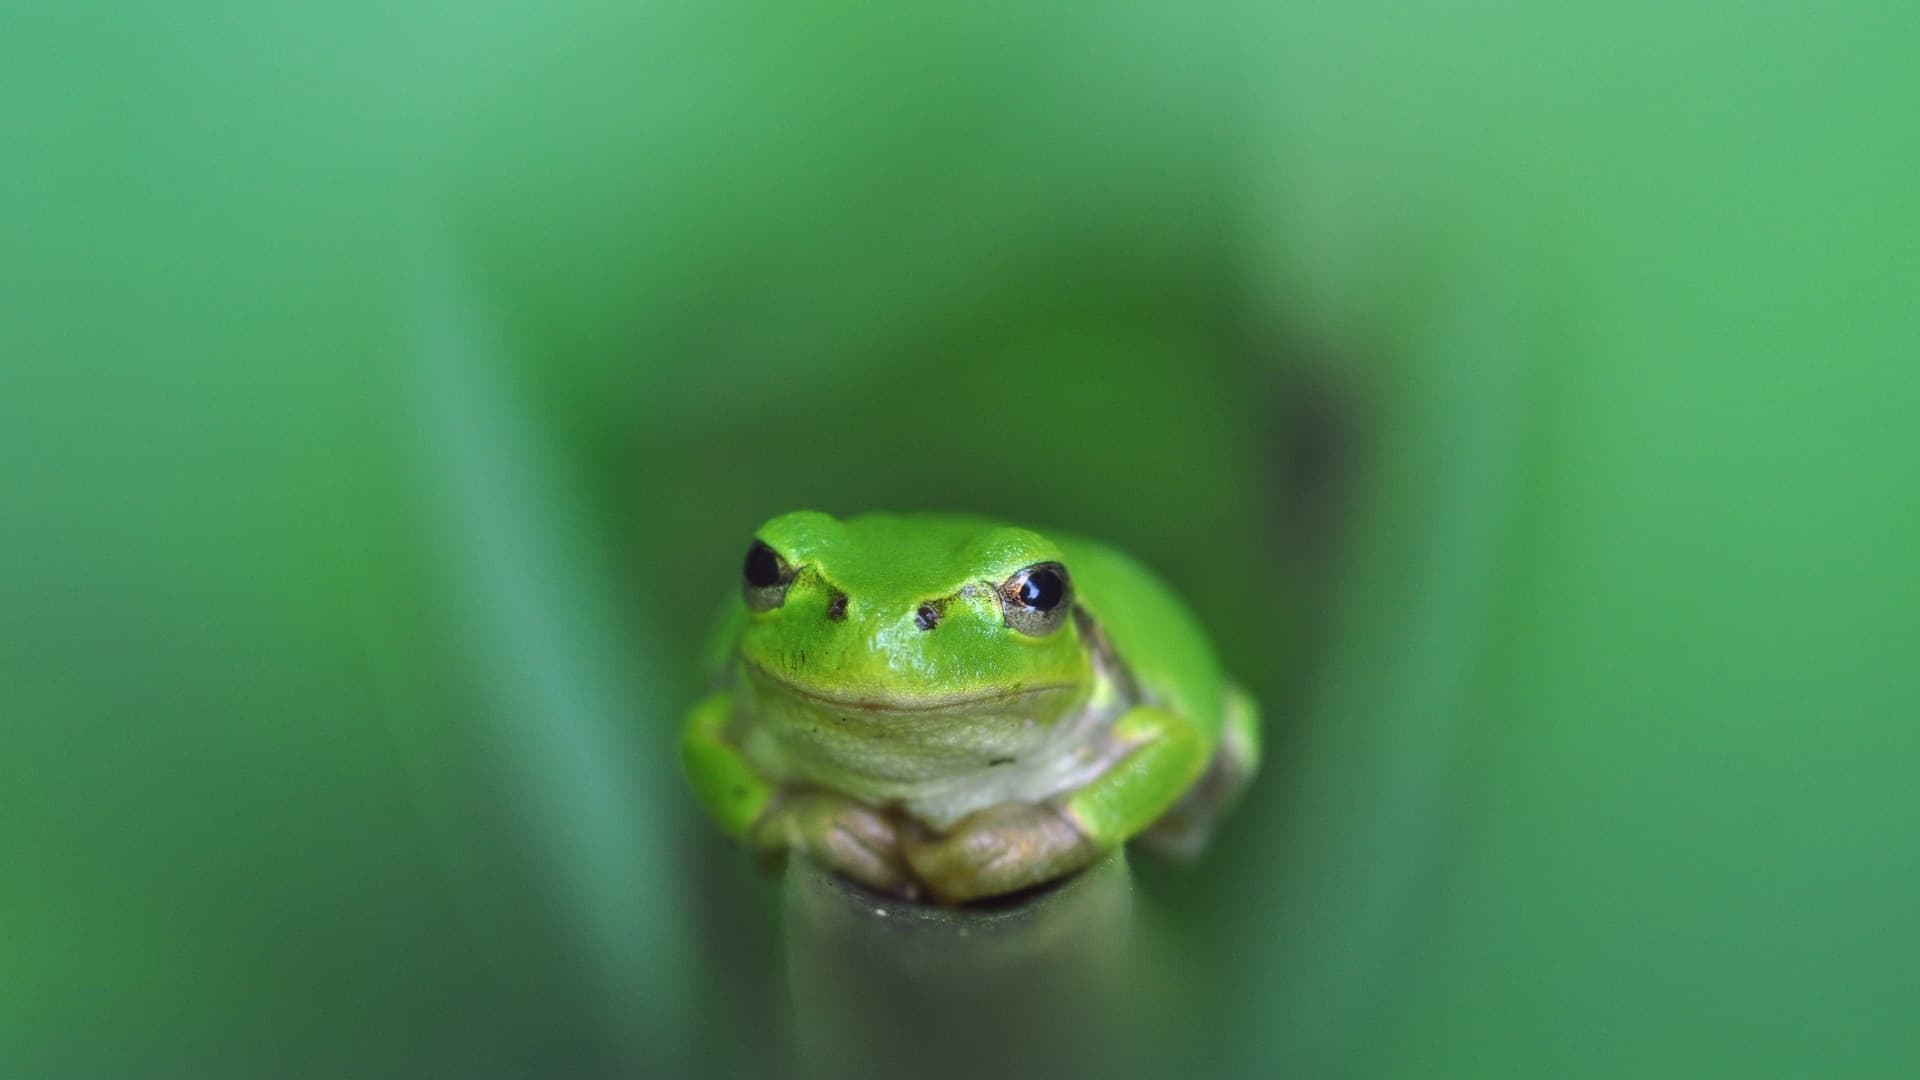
x=836, y=831
x=1012, y=846
x=1000, y=849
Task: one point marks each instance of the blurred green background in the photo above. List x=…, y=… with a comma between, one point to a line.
x=1526, y=399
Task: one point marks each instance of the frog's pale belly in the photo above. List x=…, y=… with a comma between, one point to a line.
x=938, y=764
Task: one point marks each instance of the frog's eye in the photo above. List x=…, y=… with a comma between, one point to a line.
x=764, y=578
x=1036, y=600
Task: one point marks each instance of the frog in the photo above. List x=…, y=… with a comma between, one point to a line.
x=952, y=708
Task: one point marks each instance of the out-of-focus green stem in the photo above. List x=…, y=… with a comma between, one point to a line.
x=1028, y=986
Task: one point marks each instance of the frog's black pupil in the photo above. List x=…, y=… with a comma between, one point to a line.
x=1042, y=590
x=763, y=567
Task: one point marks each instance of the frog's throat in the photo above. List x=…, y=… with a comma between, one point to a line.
x=901, y=704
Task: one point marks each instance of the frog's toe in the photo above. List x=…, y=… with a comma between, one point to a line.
x=867, y=827
x=878, y=867
x=859, y=842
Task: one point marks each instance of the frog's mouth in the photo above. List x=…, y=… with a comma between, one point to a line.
x=996, y=698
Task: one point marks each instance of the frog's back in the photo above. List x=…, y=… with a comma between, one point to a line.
x=1150, y=630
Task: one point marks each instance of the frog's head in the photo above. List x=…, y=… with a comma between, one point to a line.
x=894, y=614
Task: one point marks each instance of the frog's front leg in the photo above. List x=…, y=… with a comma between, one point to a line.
x=1012, y=846
x=1184, y=831
x=839, y=833
x=732, y=793
x=843, y=834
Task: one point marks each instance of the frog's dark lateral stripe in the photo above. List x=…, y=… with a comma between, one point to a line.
x=1107, y=660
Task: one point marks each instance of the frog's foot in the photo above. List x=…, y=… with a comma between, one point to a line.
x=1000, y=849
x=846, y=836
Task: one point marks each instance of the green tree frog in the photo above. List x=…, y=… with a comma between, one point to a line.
x=953, y=708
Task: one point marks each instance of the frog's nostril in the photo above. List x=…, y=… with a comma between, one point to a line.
x=927, y=617
x=837, y=606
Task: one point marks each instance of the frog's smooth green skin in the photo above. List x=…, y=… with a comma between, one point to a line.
x=959, y=708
